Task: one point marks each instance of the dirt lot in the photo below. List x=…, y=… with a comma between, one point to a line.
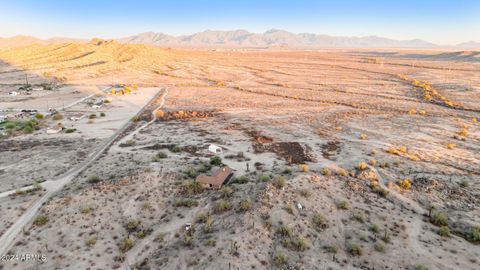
x=378, y=151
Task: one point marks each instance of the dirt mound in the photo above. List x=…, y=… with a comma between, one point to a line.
x=255, y=135
x=293, y=152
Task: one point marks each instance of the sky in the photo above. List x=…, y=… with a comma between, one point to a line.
x=439, y=21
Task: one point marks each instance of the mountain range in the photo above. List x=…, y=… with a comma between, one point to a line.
x=243, y=38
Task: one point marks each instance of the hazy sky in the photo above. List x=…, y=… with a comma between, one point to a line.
x=438, y=21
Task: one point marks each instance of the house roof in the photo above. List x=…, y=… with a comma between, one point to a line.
x=217, y=178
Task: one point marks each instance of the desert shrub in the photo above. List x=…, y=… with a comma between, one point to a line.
x=439, y=219
x=57, y=117
x=450, y=146
x=175, y=149
x=296, y=243
x=342, y=204
x=464, y=183
x=360, y=217
x=405, y=184
x=241, y=179
x=132, y=225
x=159, y=237
x=245, y=205
x=39, y=116
x=40, y=220
x=363, y=136
x=380, y=190
x=187, y=240
x=319, y=221
x=375, y=228
x=287, y=171
x=191, y=172
x=70, y=130
x=92, y=116
x=355, y=249
x=386, y=237
x=280, y=260
x=380, y=246
x=326, y=171
x=372, y=162
x=208, y=226
x=141, y=234
x=463, y=132
x=421, y=267
x=216, y=161
x=289, y=209
x=161, y=155
x=102, y=114
x=91, y=241
x=285, y=231
x=278, y=181
x=264, y=178
x=126, y=244
x=303, y=167
x=342, y=172
x=185, y=202
x=304, y=192
x=226, y=191
x=362, y=166
x=222, y=206
x=201, y=217
x=474, y=234
x=331, y=248
x=192, y=187
x=444, y=231
x=93, y=179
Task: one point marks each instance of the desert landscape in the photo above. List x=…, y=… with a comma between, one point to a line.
x=342, y=158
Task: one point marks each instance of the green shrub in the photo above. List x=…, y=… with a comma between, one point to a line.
x=245, y=205
x=130, y=143
x=375, y=228
x=474, y=234
x=93, y=179
x=264, y=178
x=28, y=129
x=193, y=187
x=185, y=202
x=241, y=179
x=319, y=221
x=342, y=204
x=216, y=161
x=285, y=231
x=208, y=226
x=295, y=243
x=159, y=237
x=91, y=241
x=278, y=181
x=439, y=219
x=355, y=249
x=161, y=155
x=39, y=116
x=421, y=267
x=126, y=245
x=380, y=246
x=70, y=130
x=40, y=220
x=444, y=231
x=287, y=171
x=280, y=260
x=380, y=191
x=102, y=114
x=92, y=116
x=331, y=249
x=132, y=225
x=222, y=206
x=176, y=149
x=226, y=191
x=305, y=192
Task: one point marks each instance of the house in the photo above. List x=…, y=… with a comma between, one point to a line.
x=215, y=149
x=217, y=179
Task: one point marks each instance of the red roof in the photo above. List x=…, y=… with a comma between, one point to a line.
x=217, y=178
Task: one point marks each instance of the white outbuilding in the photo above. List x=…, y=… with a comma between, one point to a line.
x=215, y=149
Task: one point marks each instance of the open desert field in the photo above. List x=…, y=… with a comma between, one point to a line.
x=342, y=159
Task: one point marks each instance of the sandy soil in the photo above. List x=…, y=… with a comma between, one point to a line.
x=405, y=114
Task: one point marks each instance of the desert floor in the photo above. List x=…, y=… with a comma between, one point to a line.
x=357, y=159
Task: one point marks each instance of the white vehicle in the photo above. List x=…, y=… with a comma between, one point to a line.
x=215, y=149
x=13, y=93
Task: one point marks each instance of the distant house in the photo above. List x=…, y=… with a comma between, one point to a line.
x=217, y=179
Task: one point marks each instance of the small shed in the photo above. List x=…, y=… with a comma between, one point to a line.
x=215, y=149
x=217, y=179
